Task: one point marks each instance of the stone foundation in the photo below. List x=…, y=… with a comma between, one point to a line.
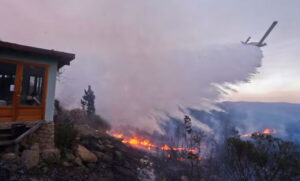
x=44, y=136
x=40, y=146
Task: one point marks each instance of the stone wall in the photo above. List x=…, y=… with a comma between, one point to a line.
x=40, y=147
x=44, y=136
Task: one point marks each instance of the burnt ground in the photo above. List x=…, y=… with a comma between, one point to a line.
x=116, y=161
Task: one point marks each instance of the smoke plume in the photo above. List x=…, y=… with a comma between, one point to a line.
x=139, y=88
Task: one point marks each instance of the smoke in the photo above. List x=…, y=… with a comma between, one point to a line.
x=144, y=59
x=139, y=88
x=249, y=117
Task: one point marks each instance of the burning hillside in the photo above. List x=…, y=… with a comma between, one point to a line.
x=266, y=131
x=146, y=144
x=142, y=100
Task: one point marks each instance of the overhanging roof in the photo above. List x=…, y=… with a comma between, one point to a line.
x=63, y=58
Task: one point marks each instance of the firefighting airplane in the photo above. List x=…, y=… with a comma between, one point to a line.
x=261, y=42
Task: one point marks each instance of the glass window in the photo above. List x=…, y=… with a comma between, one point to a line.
x=32, y=85
x=7, y=83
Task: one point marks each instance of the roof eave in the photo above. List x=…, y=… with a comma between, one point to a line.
x=63, y=58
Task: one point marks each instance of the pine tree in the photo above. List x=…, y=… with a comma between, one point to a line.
x=88, y=101
x=188, y=124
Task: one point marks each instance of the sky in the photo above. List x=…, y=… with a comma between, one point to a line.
x=91, y=28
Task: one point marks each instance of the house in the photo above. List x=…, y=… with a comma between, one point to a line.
x=27, y=87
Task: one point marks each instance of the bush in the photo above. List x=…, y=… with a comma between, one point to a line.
x=78, y=116
x=100, y=122
x=65, y=136
x=263, y=157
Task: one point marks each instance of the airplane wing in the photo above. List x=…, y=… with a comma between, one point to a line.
x=267, y=33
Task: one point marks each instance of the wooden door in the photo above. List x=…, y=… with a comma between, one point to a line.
x=23, y=96
x=8, y=74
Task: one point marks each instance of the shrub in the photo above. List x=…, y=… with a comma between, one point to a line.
x=263, y=157
x=78, y=116
x=100, y=122
x=65, y=136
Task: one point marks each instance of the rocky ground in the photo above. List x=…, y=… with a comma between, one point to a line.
x=96, y=156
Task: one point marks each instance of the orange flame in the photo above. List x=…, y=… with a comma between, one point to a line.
x=118, y=136
x=146, y=144
x=246, y=135
x=266, y=131
x=134, y=141
x=166, y=147
x=269, y=131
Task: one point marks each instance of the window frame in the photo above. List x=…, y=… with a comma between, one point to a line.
x=13, y=98
x=45, y=81
x=18, y=84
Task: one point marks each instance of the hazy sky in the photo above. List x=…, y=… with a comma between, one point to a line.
x=90, y=27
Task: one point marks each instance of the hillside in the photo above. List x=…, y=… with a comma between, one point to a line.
x=249, y=117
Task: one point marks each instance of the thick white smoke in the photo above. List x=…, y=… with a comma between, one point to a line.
x=142, y=58
x=139, y=88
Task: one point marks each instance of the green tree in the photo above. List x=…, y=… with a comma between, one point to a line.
x=88, y=101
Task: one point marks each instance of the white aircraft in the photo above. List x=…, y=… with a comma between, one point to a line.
x=261, y=42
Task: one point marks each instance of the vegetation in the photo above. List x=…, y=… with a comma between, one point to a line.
x=100, y=122
x=88, y=111
x=88, y=101
x=65, y=125
x=261, y=158
x=57, y=107
x=78, y=116
x=65, y=136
